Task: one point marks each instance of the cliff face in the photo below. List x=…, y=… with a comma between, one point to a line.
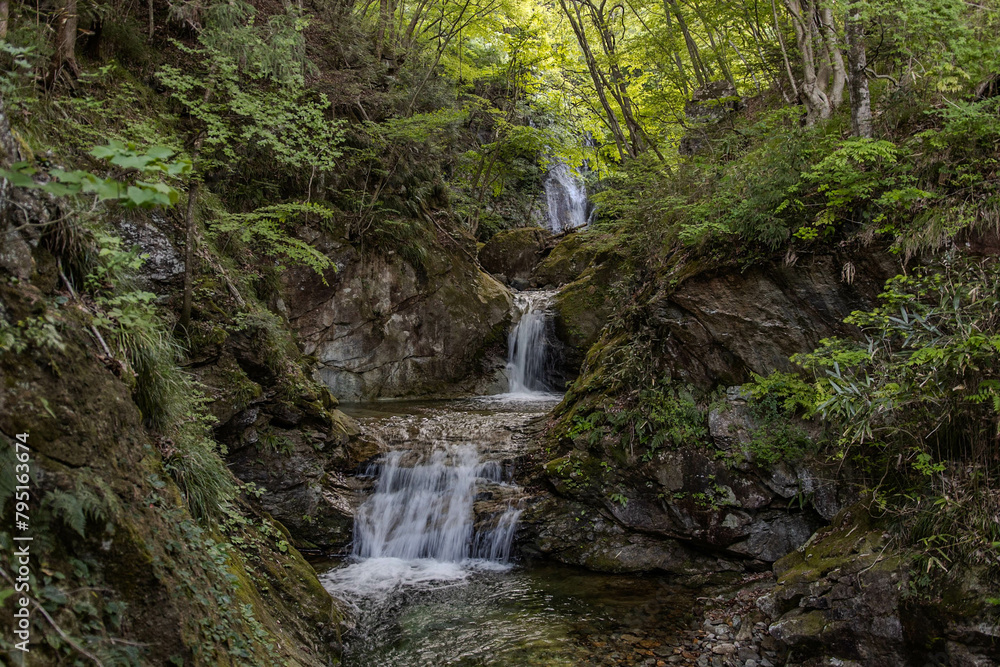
x=107, y=516
x=122, y=571
x=719, y=325
x=386, y=327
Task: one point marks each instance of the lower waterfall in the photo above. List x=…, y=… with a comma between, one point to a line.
x=422, y=507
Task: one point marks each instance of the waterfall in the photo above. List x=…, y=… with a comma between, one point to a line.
x=566, y=197
x=422, y=507
x=526, y=344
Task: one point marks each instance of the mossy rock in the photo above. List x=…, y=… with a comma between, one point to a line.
x=568, y=259
x=581, y=309
x=514, y=253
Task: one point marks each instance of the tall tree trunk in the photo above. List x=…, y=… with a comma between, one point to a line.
x=784, y=50
x=807, y=36
x=838, y=69
x=861, y=101
x=576, y=22
x=383, y=21
x=64, y=56
x=700, y=71
x=4, y=17
x=677, y=56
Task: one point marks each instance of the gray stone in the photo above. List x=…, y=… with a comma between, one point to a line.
x=381, y=328
x=162, y=261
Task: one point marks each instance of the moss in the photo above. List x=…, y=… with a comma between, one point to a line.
x=158, y=570
x=567, y=260
x=513, y=253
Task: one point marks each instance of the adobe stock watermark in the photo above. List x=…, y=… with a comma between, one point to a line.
x=21, y=558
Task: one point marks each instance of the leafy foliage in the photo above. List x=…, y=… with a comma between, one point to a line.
x=152, y=163
x=921, y=397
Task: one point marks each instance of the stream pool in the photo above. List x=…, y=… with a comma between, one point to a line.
x=433, y=580
x=543, y=615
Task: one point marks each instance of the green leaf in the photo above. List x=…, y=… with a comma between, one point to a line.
x=19, y=179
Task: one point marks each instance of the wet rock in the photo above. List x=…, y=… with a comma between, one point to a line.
x=303, y=484
x=514, y=253
x=573, y=533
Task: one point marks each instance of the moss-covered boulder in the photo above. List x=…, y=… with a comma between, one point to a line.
x=581, y=310
x=571, y=256
x=514, y=253
x=851, y=596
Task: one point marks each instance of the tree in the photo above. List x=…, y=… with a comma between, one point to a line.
x=823, y=71
x=248, y=91
x=861, y=103
x=64, y=53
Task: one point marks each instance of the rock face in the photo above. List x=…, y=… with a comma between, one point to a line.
x=513, y=254
x=717, y=497
x=383, y=327
x=127, y=532
x=164, y=263
x=708, y=105
x=679, y=510
x=577, y=533
x=846, y=596
x=717, y=326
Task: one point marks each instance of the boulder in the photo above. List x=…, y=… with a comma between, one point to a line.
x=846, y=597
x=384, y=326
x=514, y=253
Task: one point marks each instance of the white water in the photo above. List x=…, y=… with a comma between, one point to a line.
x=566, y=197
x=442, y=506
x=527, y=352
x=424, y=509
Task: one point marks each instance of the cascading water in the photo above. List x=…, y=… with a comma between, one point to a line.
x=422, y=507
x=427, y=584
x=442, y=504
x=566, y=197
x=527, y=351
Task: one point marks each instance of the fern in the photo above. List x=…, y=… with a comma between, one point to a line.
x=75, y=508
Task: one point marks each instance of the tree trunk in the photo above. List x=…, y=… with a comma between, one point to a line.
x=838, y=69
x=808, y=36
x=861, y=102
x=189, y=254
x=64, y=56
x=4, y=17
x=700, y=71
x=383, y=21
x=784, y=50
x=596, y=75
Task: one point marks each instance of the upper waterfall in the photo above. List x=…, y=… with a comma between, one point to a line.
x=566, y=197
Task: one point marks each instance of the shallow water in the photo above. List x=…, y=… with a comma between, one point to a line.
x=455, y=608
x=523, y=616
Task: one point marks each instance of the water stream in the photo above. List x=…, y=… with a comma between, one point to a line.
x=432, y=579
x=528, y=351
